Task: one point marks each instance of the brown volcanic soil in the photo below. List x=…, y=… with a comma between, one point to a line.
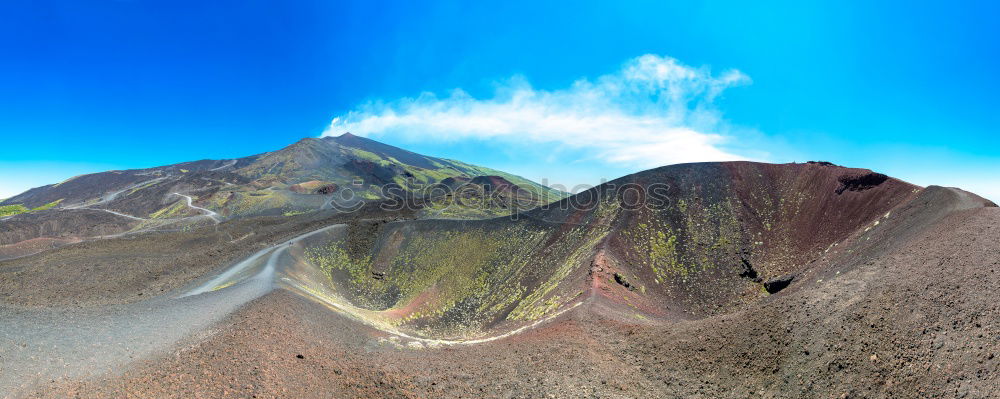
x=341, y=358
x=62, y=224
x=33, y=246
x=894, y=295
x=723, y=235
x=921, y=322
x=133, y=268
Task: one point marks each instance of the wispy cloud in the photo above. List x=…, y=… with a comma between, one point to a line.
x=653, y=111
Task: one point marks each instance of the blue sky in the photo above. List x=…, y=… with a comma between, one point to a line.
x=586, y=90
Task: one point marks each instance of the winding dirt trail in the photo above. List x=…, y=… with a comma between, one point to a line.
x=231, y=163
x=38, y=346
x=117, y=213
x=208, y=212
x=112, y=196
x=42, y=345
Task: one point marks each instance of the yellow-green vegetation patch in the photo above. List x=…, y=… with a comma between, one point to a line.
x=50, y=205
x=673, y=250
x=147, y=185
x=248, y=203
x=369, y=156
x=448, y=209
x=11, y=210
x=540, y=302
x=460, y=279
x=663, y=256
x=177, y=209
x=17, y=209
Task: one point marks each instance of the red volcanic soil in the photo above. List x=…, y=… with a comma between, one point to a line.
x=725, y=229
x=62, y=225
x=33, y=246
x=489, y=184
x=494, y=183
x=313, y=187
x=891, y=293
x=919, y=321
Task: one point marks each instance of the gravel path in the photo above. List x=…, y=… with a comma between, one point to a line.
x=208, y=212
x=43, y=345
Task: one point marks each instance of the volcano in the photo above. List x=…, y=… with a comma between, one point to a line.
x=313, y=174
x=735, y=279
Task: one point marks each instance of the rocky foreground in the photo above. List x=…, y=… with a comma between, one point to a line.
x=886, y=290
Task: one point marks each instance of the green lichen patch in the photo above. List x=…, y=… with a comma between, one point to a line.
x=11, y=210
x=48, y=206
x=459, y=280
x=17, y=209
x=175, y=210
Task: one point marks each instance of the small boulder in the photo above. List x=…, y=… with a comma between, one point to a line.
x=621, y=280
x=777, y=284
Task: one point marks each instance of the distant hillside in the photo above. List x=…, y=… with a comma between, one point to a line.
x=310, y=175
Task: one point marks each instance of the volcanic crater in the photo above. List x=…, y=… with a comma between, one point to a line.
x=732, y=235
x=727, y=279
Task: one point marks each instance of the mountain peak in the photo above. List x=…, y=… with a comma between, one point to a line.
x=349, y=138
x=346, y=137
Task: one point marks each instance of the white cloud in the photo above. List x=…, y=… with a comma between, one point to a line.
x=653, y=111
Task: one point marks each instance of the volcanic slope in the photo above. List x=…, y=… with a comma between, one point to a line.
x=313, y=174
x=679, y=242
x=800, y=280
